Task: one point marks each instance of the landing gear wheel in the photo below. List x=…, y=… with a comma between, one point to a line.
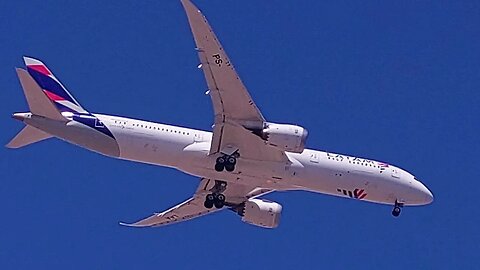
x=209, y=201
x=232, y=160
x=229, y=167
x=208, y=204
x=219, y=201
x=221, y=197
x=221, y=160
x=220, y=164
x=219, y=204
x=230, y=164
x=396, y=211
x=226, y=163
x=219, y=167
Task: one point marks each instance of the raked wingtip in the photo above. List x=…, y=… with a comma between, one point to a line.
x=131, y=225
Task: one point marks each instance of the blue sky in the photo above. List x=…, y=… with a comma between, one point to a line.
x=395, y=81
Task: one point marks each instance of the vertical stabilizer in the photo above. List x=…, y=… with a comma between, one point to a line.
x=26, y=136
x=52, y=87
x=37, y=100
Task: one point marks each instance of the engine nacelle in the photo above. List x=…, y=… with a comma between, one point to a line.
x=289, y=138
x=261, y=213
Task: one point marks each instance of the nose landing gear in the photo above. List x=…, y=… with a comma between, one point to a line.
x=397, y=209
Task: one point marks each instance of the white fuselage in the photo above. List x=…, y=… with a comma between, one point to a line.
x=340, y=175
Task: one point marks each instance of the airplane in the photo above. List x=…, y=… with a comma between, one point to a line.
x=244, y=157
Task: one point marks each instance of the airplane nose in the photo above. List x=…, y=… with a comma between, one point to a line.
x=426, y=194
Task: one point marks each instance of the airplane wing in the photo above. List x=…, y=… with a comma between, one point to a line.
x=233, y=106
x=192, y=208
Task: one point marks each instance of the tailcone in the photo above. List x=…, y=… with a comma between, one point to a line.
x=21, y=116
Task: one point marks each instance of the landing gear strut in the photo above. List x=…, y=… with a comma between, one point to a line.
x=216, y=198
x=397, y=209
x=226, y=162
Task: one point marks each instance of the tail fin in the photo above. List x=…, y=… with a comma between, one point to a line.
x=52, y=87
x=26, y=136
x=37, y=101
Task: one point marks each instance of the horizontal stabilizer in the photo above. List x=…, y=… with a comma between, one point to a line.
x=26, y=136
x=38, y=102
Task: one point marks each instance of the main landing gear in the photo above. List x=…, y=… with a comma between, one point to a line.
x=216, y=198
x=226, y=162
x=397, y=209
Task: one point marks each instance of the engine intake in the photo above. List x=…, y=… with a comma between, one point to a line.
x=289, y=138
x=261, y=213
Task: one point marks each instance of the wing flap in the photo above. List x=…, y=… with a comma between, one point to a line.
x=233, y=136
x=187, y=210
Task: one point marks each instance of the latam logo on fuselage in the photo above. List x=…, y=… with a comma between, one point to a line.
x=339, y=157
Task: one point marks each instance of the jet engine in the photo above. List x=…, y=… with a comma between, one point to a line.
x=289, y=138
x=261, y=213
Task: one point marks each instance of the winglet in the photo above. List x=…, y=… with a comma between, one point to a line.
x=188, y=4
x=131, y=225
x=147, y=222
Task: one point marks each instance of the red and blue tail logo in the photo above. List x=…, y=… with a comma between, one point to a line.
x=52, y=87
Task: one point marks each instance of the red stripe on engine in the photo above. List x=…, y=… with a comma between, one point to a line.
x=40, y=68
